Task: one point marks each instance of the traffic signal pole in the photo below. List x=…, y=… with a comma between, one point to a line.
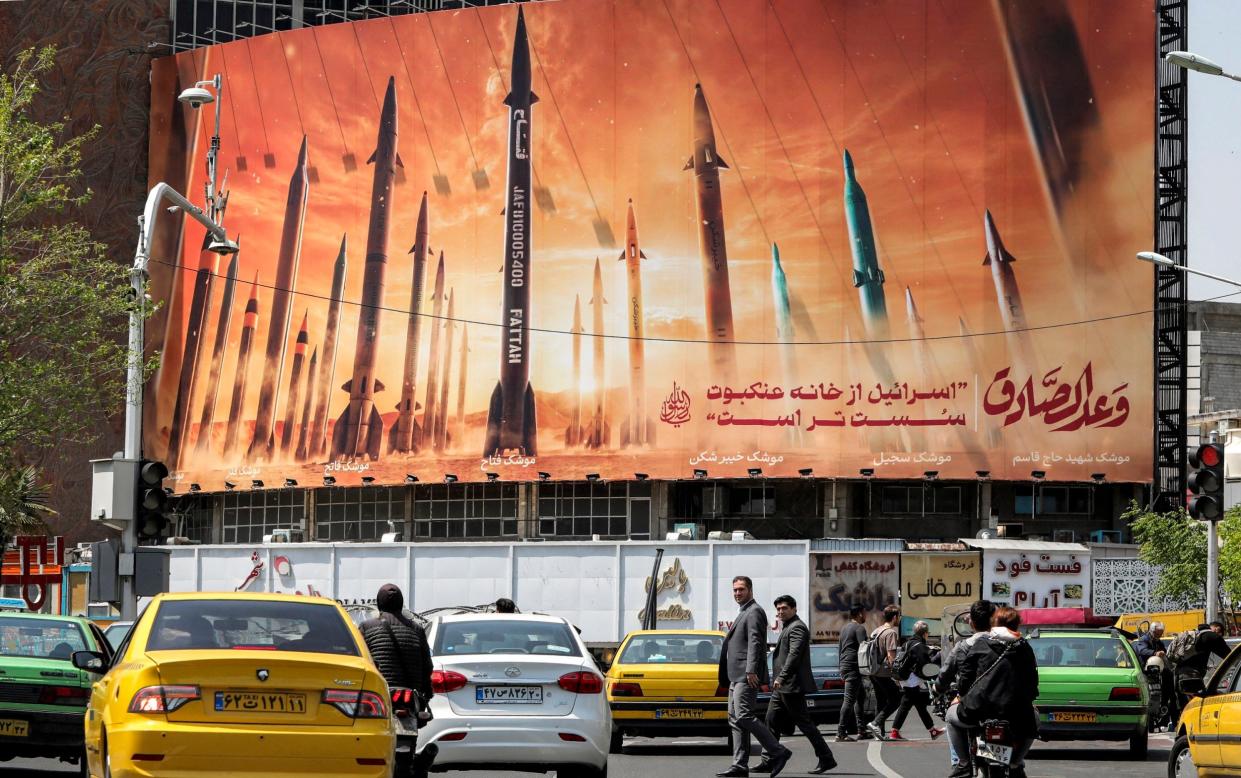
x=134, y=377
x=1212, y=573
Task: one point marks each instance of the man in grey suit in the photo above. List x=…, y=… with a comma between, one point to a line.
x=743, y=669
x=792, y=677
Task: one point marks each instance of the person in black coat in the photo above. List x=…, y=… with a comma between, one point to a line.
x=791, y=678
x=1013, y=686
x=398, y=646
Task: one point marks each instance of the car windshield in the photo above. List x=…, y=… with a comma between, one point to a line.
x=241, y=624
x=40, y=638
x=672, y=649
x=1081, y=652
x=504, y=636
x=825, y=656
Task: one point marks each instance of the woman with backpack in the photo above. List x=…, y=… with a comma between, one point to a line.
x=909, y=663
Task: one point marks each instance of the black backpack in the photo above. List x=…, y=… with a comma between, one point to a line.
x=994, y=683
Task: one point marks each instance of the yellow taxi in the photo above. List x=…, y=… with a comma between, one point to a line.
x=240, y=685
x=665, y=683
x=1208, y=737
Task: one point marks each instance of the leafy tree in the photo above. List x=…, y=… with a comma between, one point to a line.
x=23, y=502
x=63, y=304
x=1177, y=545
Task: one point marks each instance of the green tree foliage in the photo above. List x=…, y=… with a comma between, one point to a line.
x=23, y=502
x=63, y=304
x=1177, y=545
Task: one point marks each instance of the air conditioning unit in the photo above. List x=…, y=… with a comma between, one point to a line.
x=1107, y=536
x=1064, y=536
x=1009, y=530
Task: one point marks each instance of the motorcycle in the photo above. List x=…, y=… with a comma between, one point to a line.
x=1159, y=709
x=410, y=713
x=992, y=749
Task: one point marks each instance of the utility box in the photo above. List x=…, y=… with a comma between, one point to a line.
x=114, y=484
x=150, y=571
x=105, y=584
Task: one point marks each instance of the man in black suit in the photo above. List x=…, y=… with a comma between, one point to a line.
x=792, y=678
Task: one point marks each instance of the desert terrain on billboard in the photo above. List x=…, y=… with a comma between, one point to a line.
x=608, y=236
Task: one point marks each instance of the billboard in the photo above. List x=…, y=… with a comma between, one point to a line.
x=840, y=581
x=610, y=236
x=931, y=582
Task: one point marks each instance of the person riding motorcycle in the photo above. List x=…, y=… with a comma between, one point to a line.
x=1011, y=688
x=946, y=683
x=398, y=646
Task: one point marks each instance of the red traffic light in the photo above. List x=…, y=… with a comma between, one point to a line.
x=1210, y=455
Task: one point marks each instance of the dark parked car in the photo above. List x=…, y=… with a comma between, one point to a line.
x=823, y=704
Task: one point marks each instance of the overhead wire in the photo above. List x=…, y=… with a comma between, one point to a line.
x=426, y=130
x=549, y=331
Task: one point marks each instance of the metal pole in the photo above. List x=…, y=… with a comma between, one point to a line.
x=138, y=276
x=1212, y=572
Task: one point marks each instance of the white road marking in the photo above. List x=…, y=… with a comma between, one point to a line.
x=874, y=755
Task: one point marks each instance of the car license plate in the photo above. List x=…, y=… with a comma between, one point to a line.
x=1073, y=717
x=255, y=702
x=995, y=752
x=14, y=728
x=680, y=713
x=508, y=695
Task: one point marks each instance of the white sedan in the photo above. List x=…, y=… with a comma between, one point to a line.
x=516, y=691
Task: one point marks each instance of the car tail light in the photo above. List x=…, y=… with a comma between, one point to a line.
x=454, y=736
x=833, y=683
x=63, y=695
x=445, y=681
x=581, y=683
x=1129, y=693
x=570, y=737
x=162, y=699
x=721, y=691
x=626, y=689
x=356, y=705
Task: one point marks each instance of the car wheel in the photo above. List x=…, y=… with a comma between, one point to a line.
x=616, y=743
x=83, y=766
x=1138, y=744
x=1181, y=761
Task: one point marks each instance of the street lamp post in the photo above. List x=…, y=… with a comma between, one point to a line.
x=196, y=96
x=1196, y=62
x=1212, y=536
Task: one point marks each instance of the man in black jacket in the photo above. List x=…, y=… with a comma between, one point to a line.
x=399, y=649
x=946, y=685
x=1011, y=686
x=791, y=678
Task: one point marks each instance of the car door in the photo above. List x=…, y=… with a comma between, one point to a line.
x=1227, y=684
x=1217, y=698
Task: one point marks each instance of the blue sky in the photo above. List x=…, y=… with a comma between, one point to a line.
x=1215, y=149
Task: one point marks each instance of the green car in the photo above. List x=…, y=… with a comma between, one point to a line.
x=1091, y=687
x=42, y=695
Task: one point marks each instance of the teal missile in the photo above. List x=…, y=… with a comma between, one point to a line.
x=780, y=295
x=867, y=276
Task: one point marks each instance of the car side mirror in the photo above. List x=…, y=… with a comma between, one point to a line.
x=1191, y=686
x=90, y=661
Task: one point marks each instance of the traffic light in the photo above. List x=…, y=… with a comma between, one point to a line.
x=1207, y=482
x=152, y=499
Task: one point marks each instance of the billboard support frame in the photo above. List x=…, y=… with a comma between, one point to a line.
x=1171, y=240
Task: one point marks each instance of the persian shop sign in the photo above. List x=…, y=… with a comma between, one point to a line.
x=33, y=567
x=840, y=581
x=674, y=579
x=711, y=301
x=1037, y=580
x=931, y=582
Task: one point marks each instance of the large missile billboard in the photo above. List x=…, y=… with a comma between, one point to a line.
x=803, y=173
